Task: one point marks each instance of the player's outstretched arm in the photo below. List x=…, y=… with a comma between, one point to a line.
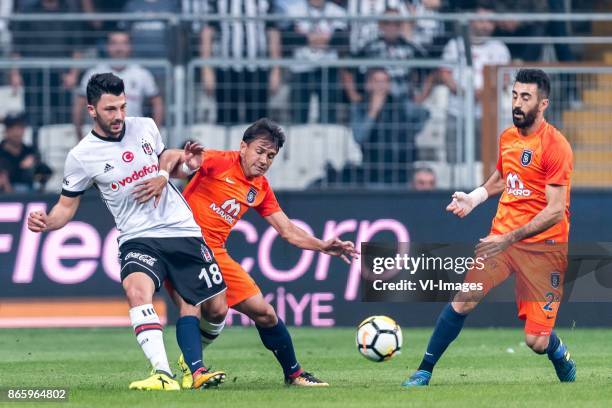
x=62, y=212
x=552, y=214
x=182, y=163
x=174, y=163
x=301, y=239
x=462, y=204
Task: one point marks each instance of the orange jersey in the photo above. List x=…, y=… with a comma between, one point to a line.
x=528, y=164
x=219, y=194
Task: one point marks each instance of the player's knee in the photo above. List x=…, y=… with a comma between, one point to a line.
x=464, y=307
x=538, y=344
x=265, y=316
x=138, y=295
x=215, y=312
x=465, y=302
x=185, y=309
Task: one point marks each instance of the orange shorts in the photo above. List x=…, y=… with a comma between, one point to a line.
x=240, y=285
x=539, y=270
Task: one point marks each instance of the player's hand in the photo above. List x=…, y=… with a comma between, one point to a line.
x=344, y=249
x=461, y=205
x=37, y=221
x=151, y=188
x=492, y=245
x=192, y=155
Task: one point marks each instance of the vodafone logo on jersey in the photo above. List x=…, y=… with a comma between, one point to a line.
x=136, y=175
x=515, y=186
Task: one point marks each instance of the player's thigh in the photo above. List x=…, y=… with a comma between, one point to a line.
x=192, y=269
x=539, y=286
x=493, y=272
x=240, y=285
x=142, y=273
x=185, y=309
x=540, y=272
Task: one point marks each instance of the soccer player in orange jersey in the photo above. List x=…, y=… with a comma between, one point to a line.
x=529, y=232
x=226, y=185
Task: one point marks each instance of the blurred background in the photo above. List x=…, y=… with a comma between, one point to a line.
x=388, y=106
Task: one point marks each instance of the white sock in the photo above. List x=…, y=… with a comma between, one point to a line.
x=210, y=331
x=149, y=334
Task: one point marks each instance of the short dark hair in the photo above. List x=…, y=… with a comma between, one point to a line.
x=100, y=84
x=267, y=129
x=535, y=76
x=15, y=119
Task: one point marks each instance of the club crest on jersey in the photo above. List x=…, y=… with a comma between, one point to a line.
x=206, y=253
x=251, y=195
x=146, y=146
x=526, y=157
x=555, y=279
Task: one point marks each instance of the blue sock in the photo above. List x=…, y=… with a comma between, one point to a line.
x=188, y=339
x=278, y=340
x=447, y=329
x=554, y=351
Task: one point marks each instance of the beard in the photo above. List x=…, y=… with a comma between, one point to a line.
x=526, y=120
x=106, y=127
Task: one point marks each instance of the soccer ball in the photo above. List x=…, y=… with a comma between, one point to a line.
x=379, y=338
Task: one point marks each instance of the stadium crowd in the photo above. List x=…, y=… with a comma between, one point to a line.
x=383, y=105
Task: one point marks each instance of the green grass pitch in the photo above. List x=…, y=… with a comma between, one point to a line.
x=484, y=367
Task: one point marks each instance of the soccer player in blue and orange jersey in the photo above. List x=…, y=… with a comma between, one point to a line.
x=222, y=190
x=529, y=233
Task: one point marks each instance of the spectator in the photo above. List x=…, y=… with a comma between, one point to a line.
x=380, y=126
x=240, y=90
x=517, y=28
x=514, y=28
x=48, y=98
x=391, y=44
x=428, y=32
x=151, y=38
x=6, y=9
x=423, y=179
x=102, y=6
x=140, y=86
x=559, y=29
x=485, y=51
x=363, y=32
x=19, y=163
x=315, y=40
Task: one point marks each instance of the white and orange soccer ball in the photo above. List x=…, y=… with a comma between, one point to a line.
x=379, y=338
